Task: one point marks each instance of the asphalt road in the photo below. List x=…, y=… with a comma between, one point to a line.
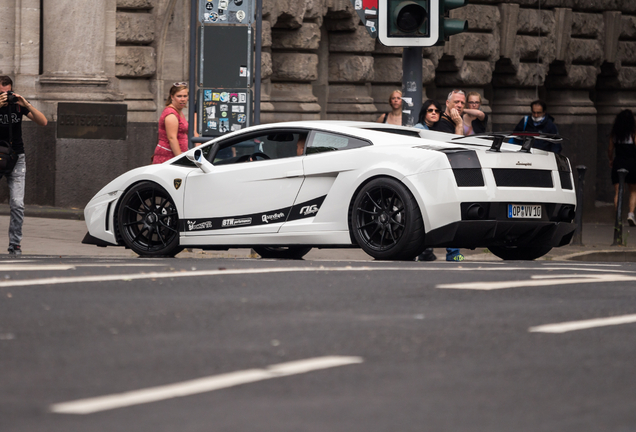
x=257, y=345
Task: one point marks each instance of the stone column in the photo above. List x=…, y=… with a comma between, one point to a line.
x=74, y=41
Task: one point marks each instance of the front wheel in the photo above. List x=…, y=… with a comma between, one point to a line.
x=148, y=221
x=292, y=252
x=386, y=221
x=520, y=253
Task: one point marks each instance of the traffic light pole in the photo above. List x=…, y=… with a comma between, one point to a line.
x=412, y=82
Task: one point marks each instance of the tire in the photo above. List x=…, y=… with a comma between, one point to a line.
x=148, y=221
x=520, y=253
x=386, y=221
x=292, y=252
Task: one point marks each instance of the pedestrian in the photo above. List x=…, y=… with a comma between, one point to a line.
x=13, y=108
x=396, y=116
x=429, y=115
x=429, y=118
x=540, y=121
x=451, y=120
x=475, y=120
x=173, y=126
x=622, y=154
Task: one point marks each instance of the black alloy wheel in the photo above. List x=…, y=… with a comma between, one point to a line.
x=148, y=221
x=519, y=253
x=386, y=221
x=292, y=252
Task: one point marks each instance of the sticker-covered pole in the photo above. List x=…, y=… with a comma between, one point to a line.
x=412, y=83
x=192, y=72
x=257, y=62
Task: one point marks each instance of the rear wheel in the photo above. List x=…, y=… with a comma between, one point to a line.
x=386, y=221
x=148, y=221
x=292, y=252
x=520, y=253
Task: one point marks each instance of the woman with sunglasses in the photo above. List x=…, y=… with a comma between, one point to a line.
x=429, y=115
x=173, y=126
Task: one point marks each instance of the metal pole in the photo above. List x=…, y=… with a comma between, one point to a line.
x=412, y=82
x=577, y=240
x=257, y=62
x=618, y=226
x=192, y=73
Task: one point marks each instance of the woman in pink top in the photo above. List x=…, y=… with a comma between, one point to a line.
x=173, y=126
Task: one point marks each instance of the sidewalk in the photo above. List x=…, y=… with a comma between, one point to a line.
x=53, y=231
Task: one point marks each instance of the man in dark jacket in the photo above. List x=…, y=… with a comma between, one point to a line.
x=539, y=121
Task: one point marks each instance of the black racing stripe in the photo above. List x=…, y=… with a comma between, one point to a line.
x=299, y=211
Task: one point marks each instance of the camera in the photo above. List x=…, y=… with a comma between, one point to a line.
x=11, y=98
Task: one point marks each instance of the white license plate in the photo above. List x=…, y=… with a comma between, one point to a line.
x=524, y=211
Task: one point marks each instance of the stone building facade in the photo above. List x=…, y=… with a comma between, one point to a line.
x=318, y=63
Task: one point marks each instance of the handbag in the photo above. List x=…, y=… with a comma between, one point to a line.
x=8, y=156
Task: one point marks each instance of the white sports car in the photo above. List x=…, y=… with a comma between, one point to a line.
x=393, y=191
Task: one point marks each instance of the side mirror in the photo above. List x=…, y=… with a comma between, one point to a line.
x=201, y=162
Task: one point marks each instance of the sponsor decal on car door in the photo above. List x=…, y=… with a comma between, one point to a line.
x=249, y=197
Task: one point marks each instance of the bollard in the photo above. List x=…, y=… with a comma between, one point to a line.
x=618, y=225
x=577, y=239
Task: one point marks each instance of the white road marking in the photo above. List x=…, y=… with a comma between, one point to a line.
x=227, y=272
x=35, y=267
x=542, y=280
x=51, y=267
x=201, y=385
x=582, y=264
x=584, y=324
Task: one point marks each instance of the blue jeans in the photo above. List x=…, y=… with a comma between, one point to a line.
x=16, y=182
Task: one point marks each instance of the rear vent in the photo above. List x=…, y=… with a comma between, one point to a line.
x=469, y=177
x=523, y=178
x=566, y=180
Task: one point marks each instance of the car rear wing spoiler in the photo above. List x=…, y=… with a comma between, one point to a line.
x=526, y=138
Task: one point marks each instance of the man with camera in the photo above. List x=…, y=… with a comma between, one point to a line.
x=12, y=108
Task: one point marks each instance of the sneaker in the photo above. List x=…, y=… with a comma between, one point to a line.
x=15, y=249
x=631, y=219
x=455, y=256
x=427, y=255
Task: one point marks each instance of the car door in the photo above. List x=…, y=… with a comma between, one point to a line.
x=245, y=192
x=330, y=166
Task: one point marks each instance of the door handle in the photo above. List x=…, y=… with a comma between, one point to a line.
x=297, y=173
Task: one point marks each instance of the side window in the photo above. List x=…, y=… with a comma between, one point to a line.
x=274, y=145
x=325, y=141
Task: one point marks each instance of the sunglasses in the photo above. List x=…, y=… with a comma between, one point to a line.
x=180, y=84
x=431, y=110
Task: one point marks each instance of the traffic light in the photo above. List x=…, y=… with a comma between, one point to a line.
x=417, y=23
x=408, y=23
x=449, y=26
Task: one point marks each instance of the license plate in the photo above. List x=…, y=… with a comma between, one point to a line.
x=524, y=211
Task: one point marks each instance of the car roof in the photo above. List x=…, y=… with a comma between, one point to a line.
x=376, y=132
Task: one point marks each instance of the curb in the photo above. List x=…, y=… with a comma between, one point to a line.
x=46, y=212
